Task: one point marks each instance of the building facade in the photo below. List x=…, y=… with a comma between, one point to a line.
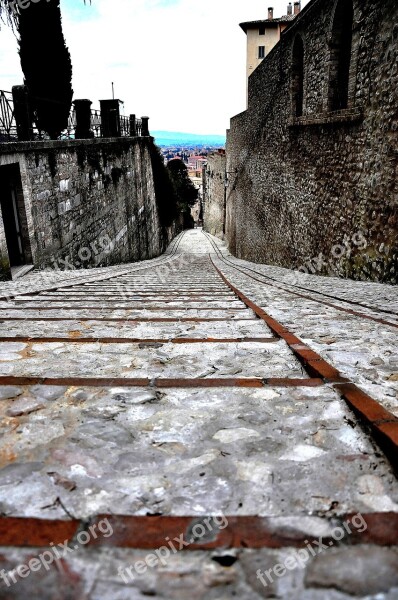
x=263, y=35
x=316, y=153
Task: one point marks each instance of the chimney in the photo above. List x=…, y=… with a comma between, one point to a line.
x=270, y=13
x=297, y=8
x=290, y=9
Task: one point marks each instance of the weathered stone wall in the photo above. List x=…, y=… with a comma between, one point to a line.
x=214, y=194
x=88, y=202
x=326, y=182
x=4, y=262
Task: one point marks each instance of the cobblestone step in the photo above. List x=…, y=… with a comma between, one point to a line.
x=245, y=359
x=91, y=328
x=179, y=453
x=107, y=412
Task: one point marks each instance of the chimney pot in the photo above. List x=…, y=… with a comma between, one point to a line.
x=290, y=9
x=270, y=13
x=297, y=8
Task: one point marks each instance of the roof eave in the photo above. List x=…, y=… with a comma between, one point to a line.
x=267, y=23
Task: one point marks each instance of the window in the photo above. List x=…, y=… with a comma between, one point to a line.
x=261, y=31
x=298, y=77
x=261, y=51
x=340, y=55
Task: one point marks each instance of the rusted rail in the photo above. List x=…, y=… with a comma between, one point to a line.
x=382, y=423
x=292, y=289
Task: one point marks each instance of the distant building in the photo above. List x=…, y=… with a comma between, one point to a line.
x=262, y=36
x=196, y=162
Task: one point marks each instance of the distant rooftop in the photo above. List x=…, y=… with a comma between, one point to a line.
x=271, y=22
x=267, y=22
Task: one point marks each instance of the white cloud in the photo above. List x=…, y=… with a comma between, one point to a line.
x=182, y=62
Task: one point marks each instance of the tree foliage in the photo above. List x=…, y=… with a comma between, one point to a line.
x=185, y=189
x=166, y=197
x=46, y=65
x=9, y=11
x=45, y=60
x=8, y=14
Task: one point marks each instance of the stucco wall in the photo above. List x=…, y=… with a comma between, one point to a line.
x=324, y=184
x=254, y=40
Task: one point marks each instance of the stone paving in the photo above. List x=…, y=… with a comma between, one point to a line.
x=362, y=349
x=142, y=440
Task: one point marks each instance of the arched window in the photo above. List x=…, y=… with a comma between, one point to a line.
x=298, y=77
x=340, y=55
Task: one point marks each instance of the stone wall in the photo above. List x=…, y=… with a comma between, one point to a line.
x=214, y=193
x=87, y=203
x=316, y=187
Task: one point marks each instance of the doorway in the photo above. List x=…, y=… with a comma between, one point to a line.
x=14, y=217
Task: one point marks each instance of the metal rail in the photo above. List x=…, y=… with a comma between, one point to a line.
x=291, y=289
x=8, y=126
x=9, y=132
x=382, y=423
x=150, y=532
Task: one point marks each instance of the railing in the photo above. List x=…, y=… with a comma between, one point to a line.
x=128, y=126
x=70, y=132
x=96, y=123
x=8, y=126
x=95, y=127
x=124, y=126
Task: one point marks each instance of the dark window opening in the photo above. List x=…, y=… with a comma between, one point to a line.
x=298, y=77
x=340, y=55
x=261, y=51
x=14, y=216
x=261, y=30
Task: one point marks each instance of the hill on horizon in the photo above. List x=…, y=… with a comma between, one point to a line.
x=176, y=138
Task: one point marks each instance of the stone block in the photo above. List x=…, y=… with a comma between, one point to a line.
x=64, y=185
x=359, y=571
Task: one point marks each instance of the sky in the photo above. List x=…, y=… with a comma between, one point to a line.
x=180, y=62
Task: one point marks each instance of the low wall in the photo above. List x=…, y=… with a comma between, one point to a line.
x=85, y=203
